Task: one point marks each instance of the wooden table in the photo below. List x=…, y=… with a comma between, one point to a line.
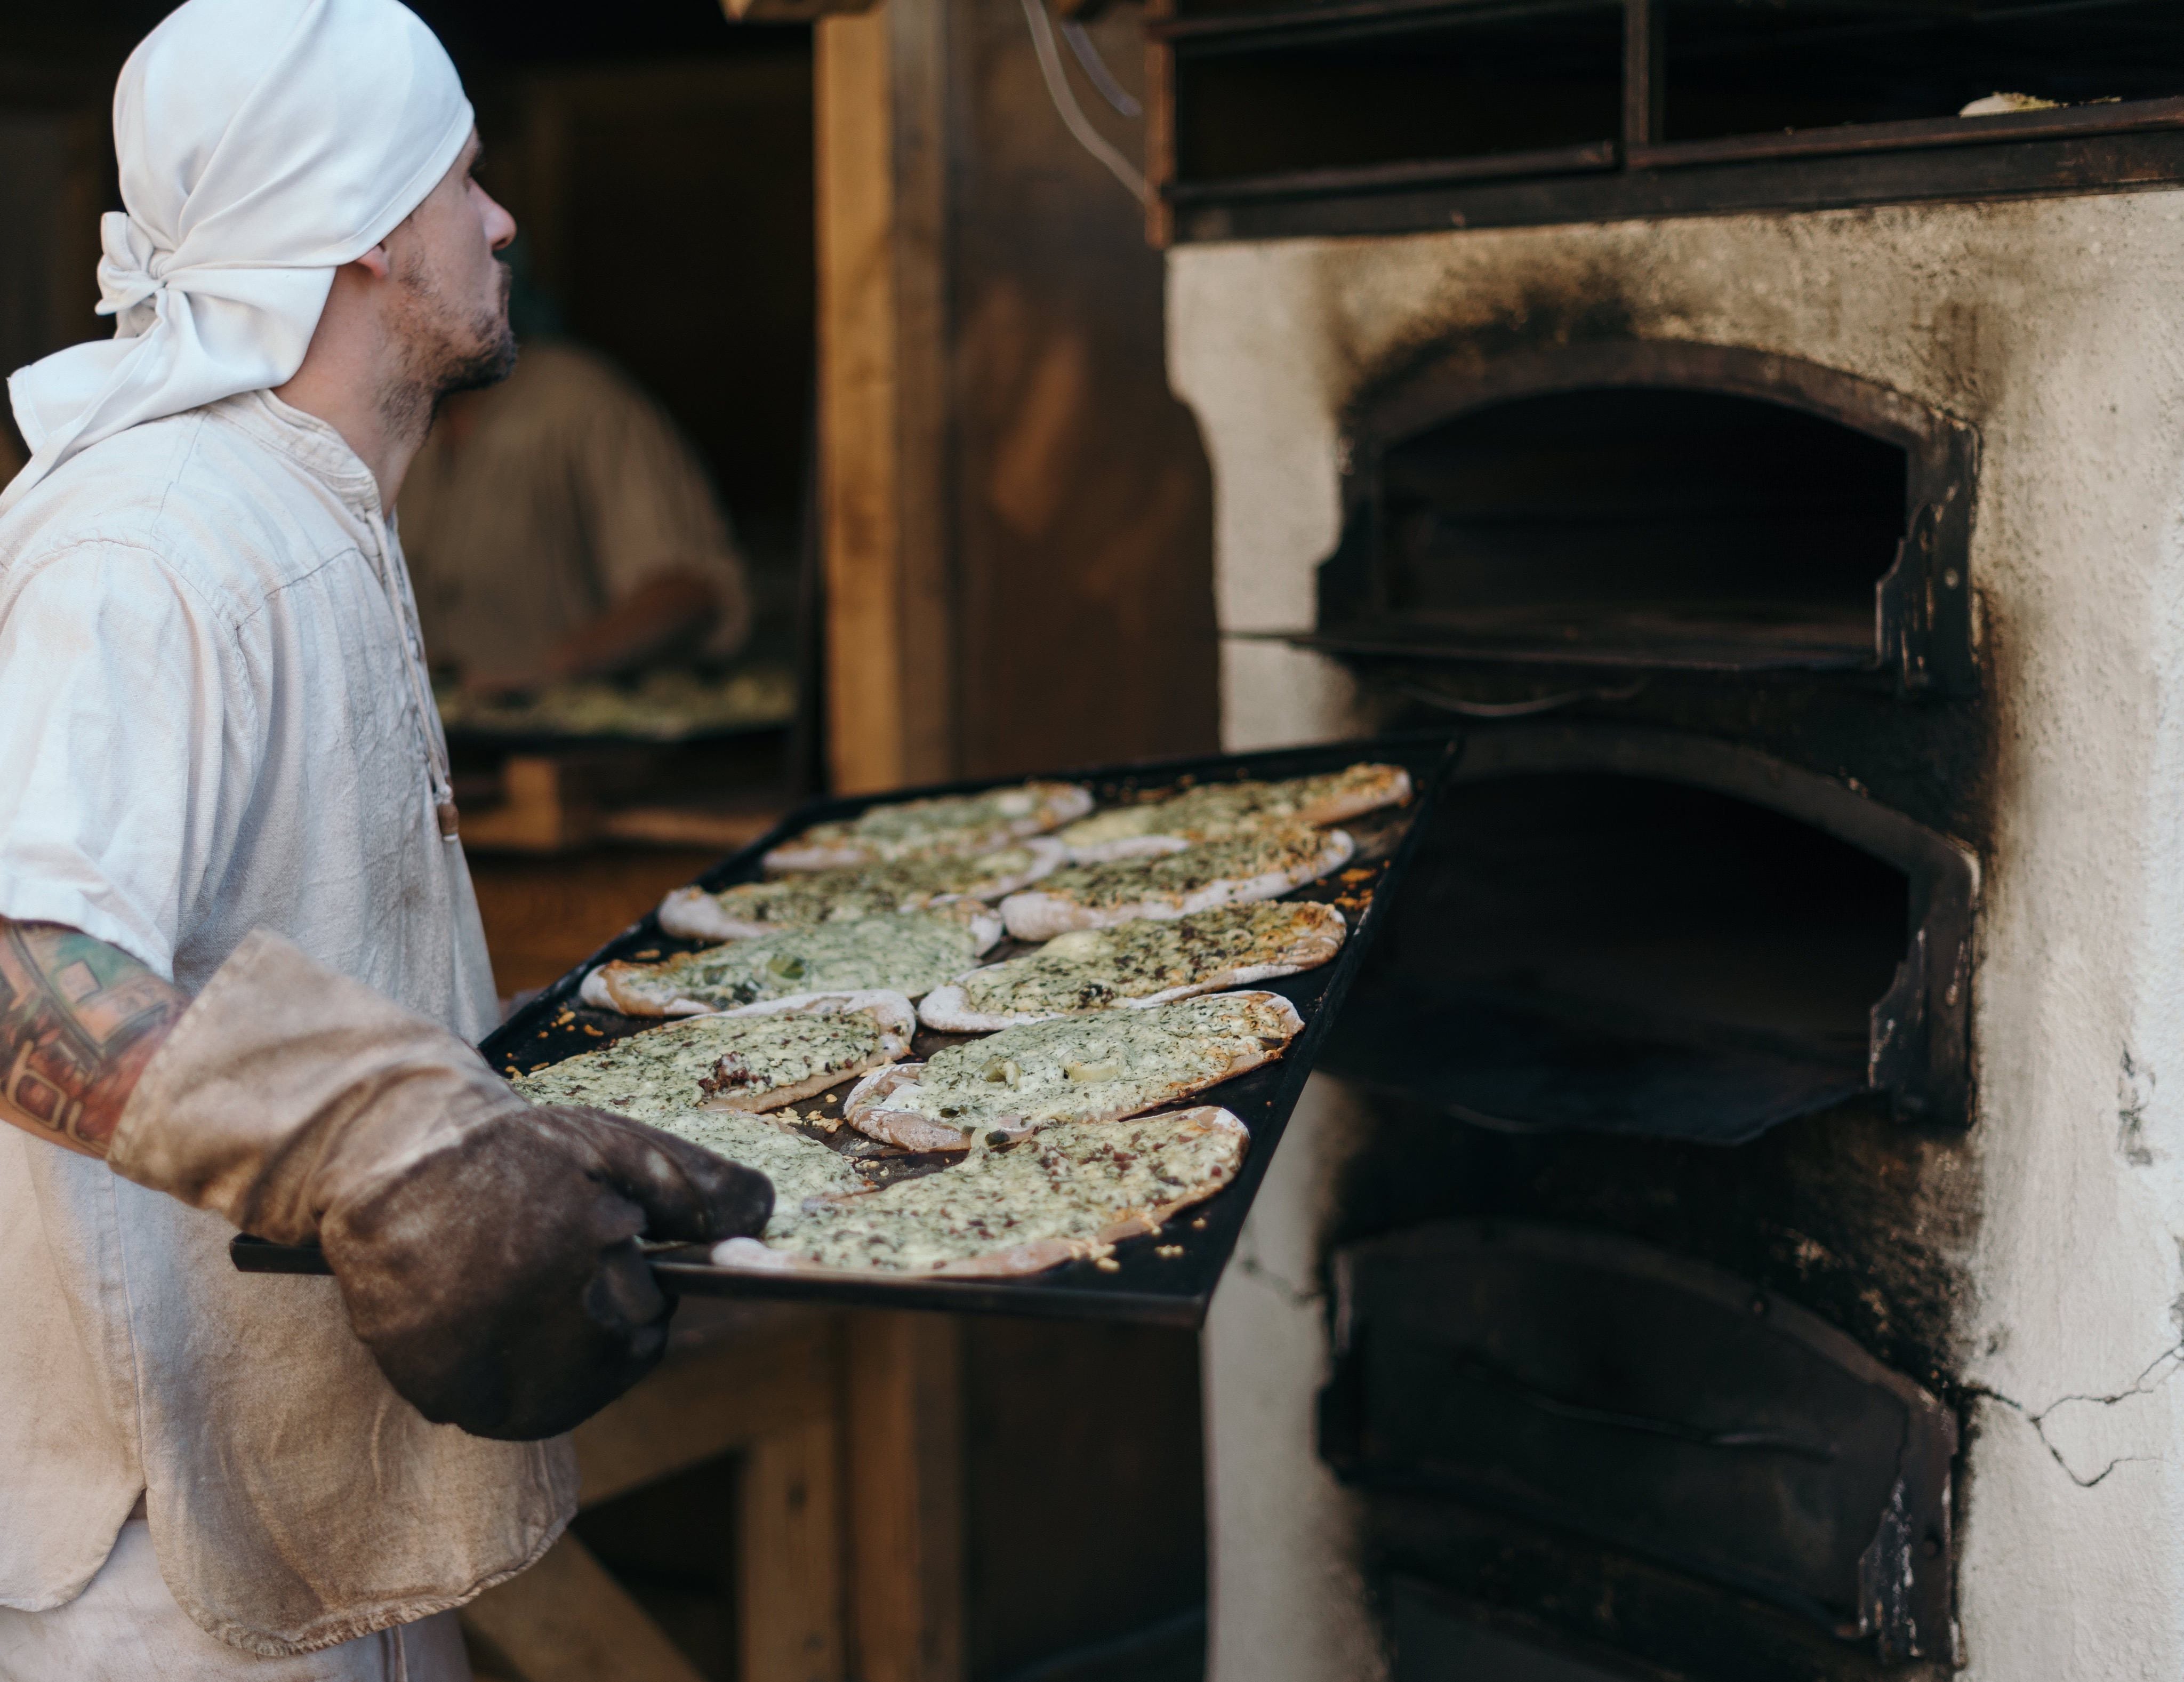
x=846, y=1526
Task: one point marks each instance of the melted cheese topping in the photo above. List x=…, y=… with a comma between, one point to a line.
x=1220, y=809
x=910, y=954
x=664, y=1071
x=801, y=1169
x=1073, y=1182
x=952, y=823
x=653, y=1077
x=1112, y=1062
x=855, y=891
x=1173, y=877
x=1092, y=969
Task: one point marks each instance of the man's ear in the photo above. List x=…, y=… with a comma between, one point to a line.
x=377, y=263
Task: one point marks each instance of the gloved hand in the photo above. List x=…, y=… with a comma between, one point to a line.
x=485, y=1249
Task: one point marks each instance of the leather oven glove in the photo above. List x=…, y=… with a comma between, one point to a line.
x=486, y=1249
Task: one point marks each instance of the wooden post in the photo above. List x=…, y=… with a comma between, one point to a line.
x=777, y=1400
x=905, y=1503
x=787, y=1599
x=883, y=395
x=1160, y=127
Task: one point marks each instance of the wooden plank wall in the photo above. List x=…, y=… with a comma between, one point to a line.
x=1017, y=511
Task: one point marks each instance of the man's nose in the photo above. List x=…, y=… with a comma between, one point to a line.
x=499, y=226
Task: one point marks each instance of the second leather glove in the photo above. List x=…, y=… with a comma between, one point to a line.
x=487, y=1250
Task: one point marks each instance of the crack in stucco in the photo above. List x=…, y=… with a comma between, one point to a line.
x=2134, y=1096
x=2147, y=1382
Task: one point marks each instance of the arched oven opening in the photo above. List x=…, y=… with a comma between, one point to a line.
x=1629, y=931
x=1655, y=507
x=1690, y=525
x=1499, y=1384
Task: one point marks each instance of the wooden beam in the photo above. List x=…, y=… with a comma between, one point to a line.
x=905, y=1504
x=566, y=1620
x=1160, y=128
x=777, y=1400
x=691, y=1410
x=883, y=394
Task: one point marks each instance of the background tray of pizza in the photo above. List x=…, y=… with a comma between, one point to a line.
x=1166, y=1277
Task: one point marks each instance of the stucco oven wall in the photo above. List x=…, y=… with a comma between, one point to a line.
x=2057, y=328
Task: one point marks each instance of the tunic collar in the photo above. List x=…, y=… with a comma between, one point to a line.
x=309, y=442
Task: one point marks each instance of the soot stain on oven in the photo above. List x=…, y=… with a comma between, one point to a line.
x=1859, y=1215
x=1864, y=1217
x=1568, y=306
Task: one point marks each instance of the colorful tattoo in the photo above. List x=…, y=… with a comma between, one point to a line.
x=78, y=1020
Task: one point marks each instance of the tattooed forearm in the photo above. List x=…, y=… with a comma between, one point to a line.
x=78, y=1020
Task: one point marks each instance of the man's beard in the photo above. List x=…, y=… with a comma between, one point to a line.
x=440, y=359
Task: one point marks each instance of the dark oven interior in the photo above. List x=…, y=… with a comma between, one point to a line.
x=1636, y=523
x=1647, y=1262
x=1655, y=507
x=1601, y=952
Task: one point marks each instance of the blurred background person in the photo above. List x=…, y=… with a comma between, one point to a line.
x=561, y=526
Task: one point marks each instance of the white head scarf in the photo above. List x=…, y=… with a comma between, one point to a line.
x=263, y=144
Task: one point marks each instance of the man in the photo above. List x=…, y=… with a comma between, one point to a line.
x=559, y=526
x=239, y=957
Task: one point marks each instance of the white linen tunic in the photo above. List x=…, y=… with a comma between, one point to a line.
x=213, y=720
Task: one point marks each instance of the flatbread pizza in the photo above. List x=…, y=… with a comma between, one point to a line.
x=1016, y=1207
x=910, y=954
x=1218, y=810
x=1139, y=965
x=754, y=1059
x=1259, y=864
x=806, y=898
x=804, y=1173
x=706, y=1079
x=1098, y=1067
x=945, y=825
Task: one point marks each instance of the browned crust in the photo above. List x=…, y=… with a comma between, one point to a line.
x=603, y=988
x=1060, y=802
x=1042, y=1254
x=775, y=1099
x=865, y=1108
x=1391, y=789
x=691, y=913
x=946, y=1010
x=1390, y=786
x=1037, y=913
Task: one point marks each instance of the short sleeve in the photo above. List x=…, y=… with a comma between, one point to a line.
x=128, y=741
x=650, y=509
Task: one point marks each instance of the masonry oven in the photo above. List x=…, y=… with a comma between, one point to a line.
x=1655, y=983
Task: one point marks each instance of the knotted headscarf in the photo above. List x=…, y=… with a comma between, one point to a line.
x=263, y=144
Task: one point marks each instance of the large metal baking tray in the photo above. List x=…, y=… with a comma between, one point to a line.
x=1142, y=1284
